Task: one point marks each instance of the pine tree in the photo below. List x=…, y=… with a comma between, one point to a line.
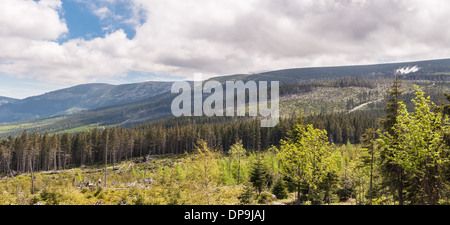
x=393, y=174
x=34, y=146
x=66, y=146
x=259, y=175
x=369, y=158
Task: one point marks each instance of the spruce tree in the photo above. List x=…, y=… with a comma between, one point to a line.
x=280, y=189
x=392, y=106
x=259, y=175
x=393, y=174
x=369, y=158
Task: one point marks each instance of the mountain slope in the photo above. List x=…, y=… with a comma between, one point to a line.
x=6, y=100
x=328, y=93
x=430, y=70
x=79, y=98
x=158, y=107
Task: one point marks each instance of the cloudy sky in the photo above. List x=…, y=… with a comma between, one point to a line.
x=51, y=44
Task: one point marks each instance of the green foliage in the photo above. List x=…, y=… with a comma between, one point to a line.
x=418, y=148
x=51, y=197
x=306, y=156
x=260, y=176
x=247, y=197
x=265, y=198
x=237, y=151
x=207, y=173
x=280, y=189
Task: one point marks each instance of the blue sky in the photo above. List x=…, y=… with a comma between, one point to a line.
x=84, y=23
x=51, y=44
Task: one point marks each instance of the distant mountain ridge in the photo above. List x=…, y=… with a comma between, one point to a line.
x=303, y=75
x=79, y=98
x=6, y=100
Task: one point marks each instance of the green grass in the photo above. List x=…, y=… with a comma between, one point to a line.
x=14, y=128
x=82, y=128
x=165, y=180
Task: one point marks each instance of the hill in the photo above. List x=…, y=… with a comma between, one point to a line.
x=79, y=98
x=6, y=100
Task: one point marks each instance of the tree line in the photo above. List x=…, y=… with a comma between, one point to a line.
x=45, y=152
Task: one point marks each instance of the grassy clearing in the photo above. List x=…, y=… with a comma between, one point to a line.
x=82, y=129
x=167, y=180
x=16, y=127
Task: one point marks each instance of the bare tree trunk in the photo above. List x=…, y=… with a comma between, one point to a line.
x=54, y=159
x=31, y=167
x=106, y=154
x=59, y=157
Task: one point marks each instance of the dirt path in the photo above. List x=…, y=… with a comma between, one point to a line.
x=379, y=100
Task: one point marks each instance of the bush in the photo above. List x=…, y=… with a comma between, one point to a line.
x=280, y=189
x=247, y=197
x=316, y=196
x=345, y=190
x=50, y=197
x=265, y=198
x=290, y=184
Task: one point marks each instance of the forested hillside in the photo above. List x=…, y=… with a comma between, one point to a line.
x=79, y=98
x=6, y=100
x=349, y=140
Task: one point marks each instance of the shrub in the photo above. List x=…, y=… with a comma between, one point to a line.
x=265, y=198
x=247, y=196
x=280, y=189
x=51, y=197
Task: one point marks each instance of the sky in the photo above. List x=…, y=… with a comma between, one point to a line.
x=51, y=44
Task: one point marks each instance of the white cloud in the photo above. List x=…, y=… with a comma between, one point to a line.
x=102, y=12
x=31, y=20
x=221, y=37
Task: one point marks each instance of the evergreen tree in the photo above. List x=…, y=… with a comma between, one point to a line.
x=259, y=175
x=392, y=106
x=369, y=158
x=280, y=189
x=393, y=174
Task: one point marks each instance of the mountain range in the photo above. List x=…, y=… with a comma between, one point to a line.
x=130, y=104
x=78, y=98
